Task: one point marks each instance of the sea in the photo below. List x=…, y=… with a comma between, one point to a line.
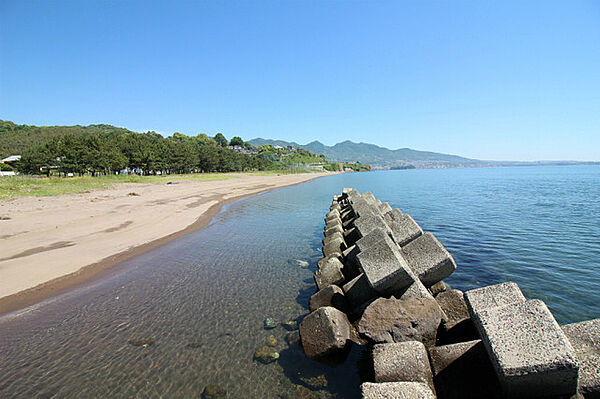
x=202, y=299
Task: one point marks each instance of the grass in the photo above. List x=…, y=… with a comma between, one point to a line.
x=18, y=186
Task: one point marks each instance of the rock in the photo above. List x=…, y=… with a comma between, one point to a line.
x=195, y=345
x=402, y=361
x=493, y=296
x=214, y=391
x=145, y=342
x=530, y=353
x=331, y=295
x=396, y=390
x=301, y=263
x=324, y=332
x=454, y=307
x=358, y=291
x=428, y=258
x=271, y=341
x=266, y=354
x=439, y=287
x=269, y=323
x=329, y=273
x=290, y=325
x=585, y=339
x=398, y=320
x=463, y=371
x=385, y=268
x=403, y=227
x=292, y=338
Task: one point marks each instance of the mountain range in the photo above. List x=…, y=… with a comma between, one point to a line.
x=384, y=158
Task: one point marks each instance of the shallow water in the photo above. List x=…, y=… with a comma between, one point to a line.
x=537, y=226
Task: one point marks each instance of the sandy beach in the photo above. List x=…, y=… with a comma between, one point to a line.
x=50, y=244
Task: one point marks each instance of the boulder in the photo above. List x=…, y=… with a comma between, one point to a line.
x=384, y=267
x=428, y=258
x=324, y=332
x=358, y=291
x=493, y=296
x=404, y=228
x=329, y=273
x=396, y=390
x=585, y=339
x=329, y=296
x=463, y=371
x=402, y=361
x=454, y=307
x=398, y=320
x=439, y=287
x=530, y=353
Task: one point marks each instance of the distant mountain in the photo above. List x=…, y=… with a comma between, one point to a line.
x=379, y=157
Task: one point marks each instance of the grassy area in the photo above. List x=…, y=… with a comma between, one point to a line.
x=15, y=186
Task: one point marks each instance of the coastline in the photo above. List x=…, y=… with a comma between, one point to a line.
x=215, y=194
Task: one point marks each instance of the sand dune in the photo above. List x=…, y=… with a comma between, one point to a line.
x=50, y=244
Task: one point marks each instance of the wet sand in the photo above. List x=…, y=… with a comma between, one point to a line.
x=50, y=244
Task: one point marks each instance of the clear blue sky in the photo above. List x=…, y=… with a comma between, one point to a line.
x=504, y=80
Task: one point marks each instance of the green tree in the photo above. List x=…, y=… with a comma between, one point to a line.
x=221, y=140
x=236, y=141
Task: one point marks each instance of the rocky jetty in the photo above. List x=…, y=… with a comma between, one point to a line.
x=380, y=284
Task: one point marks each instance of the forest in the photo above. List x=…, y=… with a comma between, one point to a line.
x=105, y=149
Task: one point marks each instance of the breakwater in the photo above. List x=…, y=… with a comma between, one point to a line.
x=380, y=283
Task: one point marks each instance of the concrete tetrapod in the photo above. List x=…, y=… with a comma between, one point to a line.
x=585, y=339
x=325, y=332
x=396, y=390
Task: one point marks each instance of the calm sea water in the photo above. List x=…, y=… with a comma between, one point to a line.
x=537, y=226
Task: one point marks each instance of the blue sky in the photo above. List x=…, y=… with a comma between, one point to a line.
x=490, y=80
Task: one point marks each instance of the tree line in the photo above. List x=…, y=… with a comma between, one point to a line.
x=144, y=153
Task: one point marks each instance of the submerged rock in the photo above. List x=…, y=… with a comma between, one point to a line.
x=315, y=382
x=269, y=323
x=145, y=342
x=290, y=325
x=194, y=345
x=271, y=341
x=300, y=262
x=266, y=354
x=293, y=338
x=214, y=391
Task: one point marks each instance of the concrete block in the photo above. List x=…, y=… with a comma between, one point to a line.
x=322, y=262
x=351, y=236
x=530, y=353
x=395, y=390
x=463, y=371
x=332, y=223
x=335, y=246
x=428, y=258
x=384, y=207
x=358, y=291
x=493, y=296
x=351, y=267
x=398, y=320
x=330, y=273
x=331, y=295
x=454, y=307
x=404, y=228
x=374, y=238
x=402, y=361
x=324, y=332
x=585, y=339
x=367, y=223
x=332, y=218
x=334, y=237
x=332, y=213
x=385, y=268
x=333, y=229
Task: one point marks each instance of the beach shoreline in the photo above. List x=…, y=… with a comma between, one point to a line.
x=53, y=244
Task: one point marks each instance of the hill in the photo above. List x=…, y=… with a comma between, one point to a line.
x=381, y=157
